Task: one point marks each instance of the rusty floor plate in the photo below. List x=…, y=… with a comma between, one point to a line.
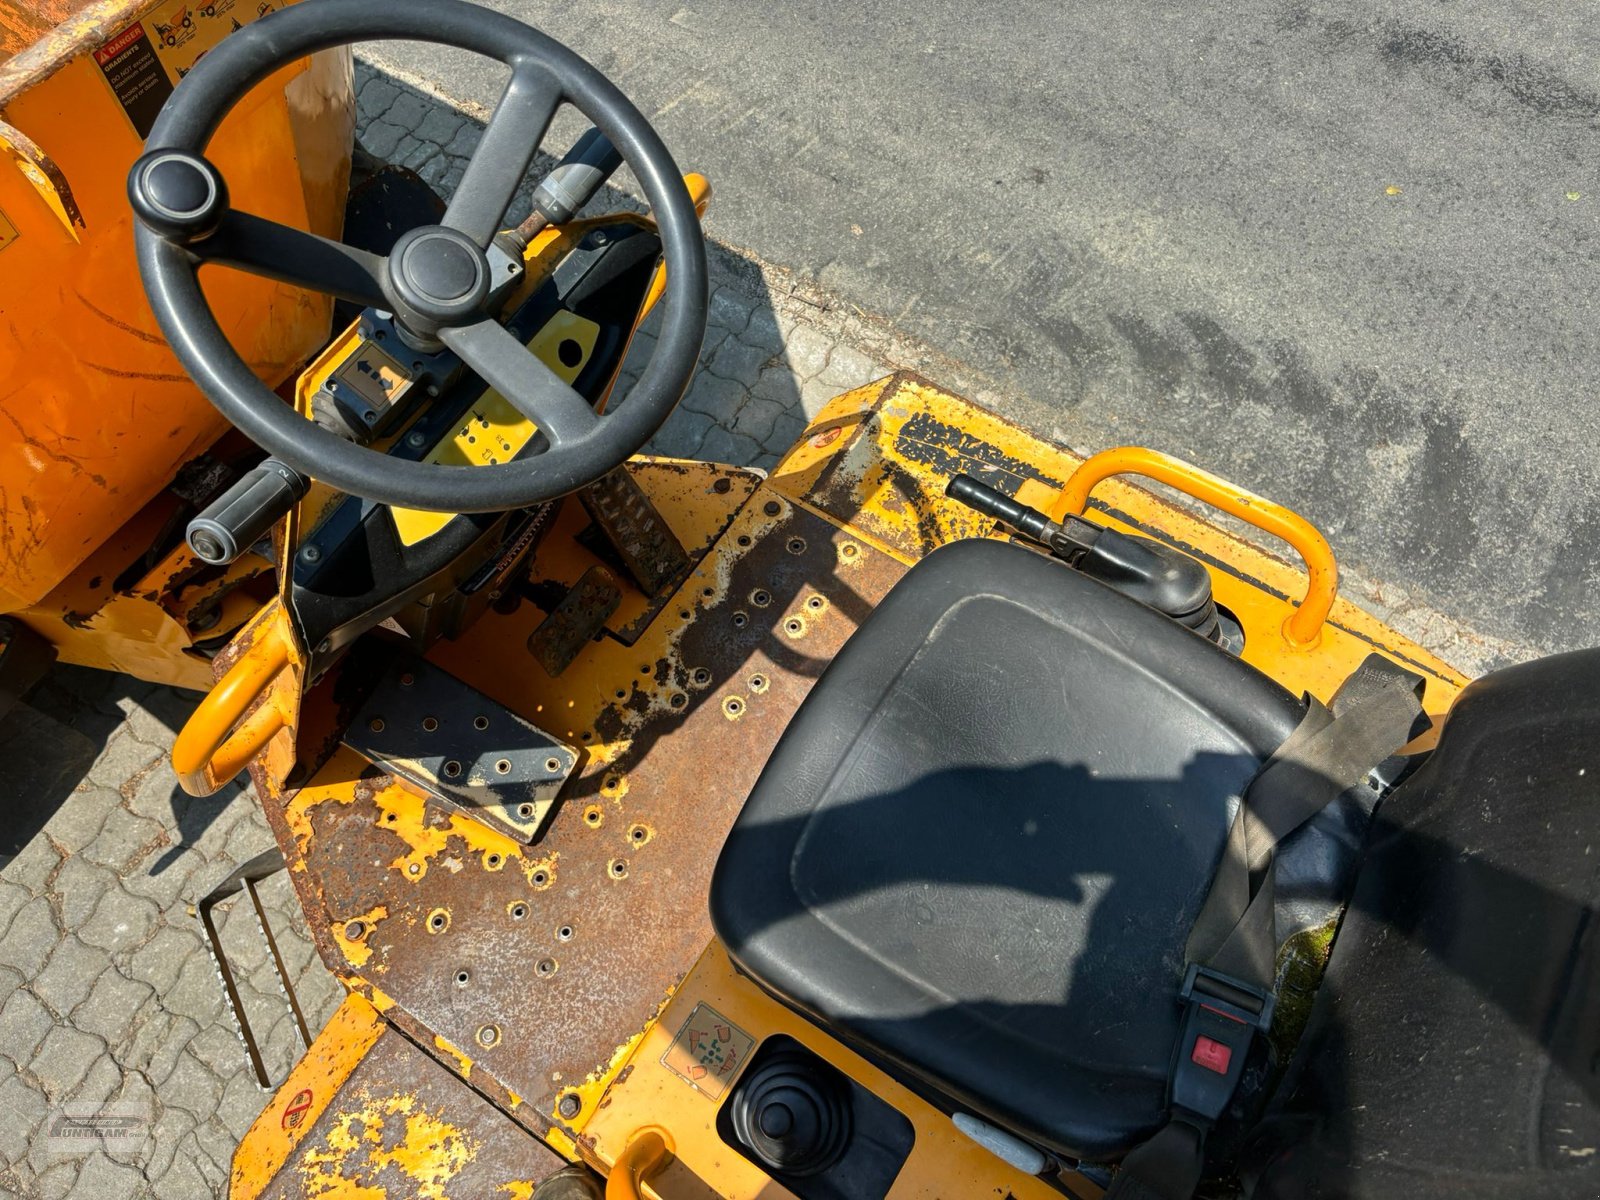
x=537, y=965
x=401, y=1125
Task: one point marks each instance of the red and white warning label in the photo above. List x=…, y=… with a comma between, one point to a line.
x=136, y=76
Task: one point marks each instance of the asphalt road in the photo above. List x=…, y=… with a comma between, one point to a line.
x=1343, y=253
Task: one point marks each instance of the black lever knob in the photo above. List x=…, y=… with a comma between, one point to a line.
x=982, y=498
x=246, y=512
x=180, y=196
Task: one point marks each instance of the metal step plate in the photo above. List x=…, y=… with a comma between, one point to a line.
x=461, y=747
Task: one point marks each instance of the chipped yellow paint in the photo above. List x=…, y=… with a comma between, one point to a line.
x=463, y=1062
x=349, y=1034
x=357, y=950
x=386, y=1132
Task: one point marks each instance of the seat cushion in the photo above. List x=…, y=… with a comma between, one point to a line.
x=977, y=851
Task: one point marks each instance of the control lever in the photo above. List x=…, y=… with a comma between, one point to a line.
x=246, y=512
x=1155, y=575
x=570, y=185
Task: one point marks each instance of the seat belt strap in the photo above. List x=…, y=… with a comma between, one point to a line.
x=1232, y=949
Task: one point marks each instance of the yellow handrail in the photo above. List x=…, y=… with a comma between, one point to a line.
x=219, y=740
x=647, y=1152
x=1303, y=628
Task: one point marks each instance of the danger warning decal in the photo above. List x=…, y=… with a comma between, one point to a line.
x=135, y=75
x=708, y=1051
x=146, y=60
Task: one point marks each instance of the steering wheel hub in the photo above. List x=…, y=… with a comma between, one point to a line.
x=439, y=277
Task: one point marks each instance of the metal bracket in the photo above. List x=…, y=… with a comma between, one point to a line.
x=462, y=748
x=244, y=879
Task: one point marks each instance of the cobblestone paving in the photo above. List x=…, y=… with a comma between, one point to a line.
x=108, y=994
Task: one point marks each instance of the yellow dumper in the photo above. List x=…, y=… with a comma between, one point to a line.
x=939, y=814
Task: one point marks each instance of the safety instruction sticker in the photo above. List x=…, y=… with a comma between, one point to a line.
x=8, y=231
x=135, y=75
x=708, y=1051
x=146, y=60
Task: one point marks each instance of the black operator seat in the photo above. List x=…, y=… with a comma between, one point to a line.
x=978, y=850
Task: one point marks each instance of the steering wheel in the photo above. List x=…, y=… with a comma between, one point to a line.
x=436, y=281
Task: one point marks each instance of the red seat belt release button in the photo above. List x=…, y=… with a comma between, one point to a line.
x=1212, y=1055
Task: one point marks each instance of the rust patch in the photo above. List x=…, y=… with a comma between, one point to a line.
x=616, y=907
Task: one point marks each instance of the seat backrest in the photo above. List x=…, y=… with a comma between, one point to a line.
x=1455, y=1045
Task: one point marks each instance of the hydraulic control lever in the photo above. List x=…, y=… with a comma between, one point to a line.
x=570, y=185
x=246, y=512
x=1163, y=578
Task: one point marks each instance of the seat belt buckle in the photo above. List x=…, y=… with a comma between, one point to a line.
x=1222, y=1016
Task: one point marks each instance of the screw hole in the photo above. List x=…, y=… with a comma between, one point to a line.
x=592, y=817
x=743, y=539
x=761, y=597
x=429, y=724
x=489, y=1035
x=740, y=620
x=619, y=868
x=794, y=626
x=564, y=934
x=480, y=722
x=638, y=834
x=678, y=700
x=849, y=550
x=701, y=676
x=545, y=967
x=438, y=921
x=452, y=769
x=376, y=725
x=503, y=766
x=493, y=860
x=797, y=545
x=541, y=878
x=524, y=810
x=733, y=706
x=816, y=604
x=518, y=911
x=463, y=978
x=552, y=765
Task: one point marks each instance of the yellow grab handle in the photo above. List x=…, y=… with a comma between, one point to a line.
x=1303, y=627
x=647, y=1152
x=211, y=750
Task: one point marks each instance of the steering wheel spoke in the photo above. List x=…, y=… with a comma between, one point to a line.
x=514, y=132
x=532, y=388
x=262, y=247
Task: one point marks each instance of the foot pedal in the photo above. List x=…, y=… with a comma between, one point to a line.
x=576, y=621
x=635, y=528
x=244, y=880
x=462, y=748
